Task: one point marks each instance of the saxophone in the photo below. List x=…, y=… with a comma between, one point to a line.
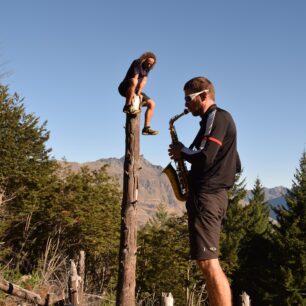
x=178, y=176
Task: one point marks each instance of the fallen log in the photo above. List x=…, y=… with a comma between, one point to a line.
x=27, y=295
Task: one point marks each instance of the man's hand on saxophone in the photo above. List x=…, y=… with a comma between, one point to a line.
x=175, y=150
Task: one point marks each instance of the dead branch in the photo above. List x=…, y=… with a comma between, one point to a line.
x=27, y=295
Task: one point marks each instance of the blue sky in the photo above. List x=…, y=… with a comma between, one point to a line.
x=66, y=58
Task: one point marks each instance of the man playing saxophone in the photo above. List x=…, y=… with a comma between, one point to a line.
x=214, y=162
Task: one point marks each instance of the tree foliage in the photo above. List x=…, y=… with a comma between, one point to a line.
x=24, y=156
x=81, y=209
x=90, y=218
x=257, y=211
x=25, y=168
x=290, y=240
x=255, y=255
x=41, y=200
x=234, y=227
x=163, y=260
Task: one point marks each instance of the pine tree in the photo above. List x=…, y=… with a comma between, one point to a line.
x=81, y=209
x=290, y=239
x=257, y=211
x=24, y=158
x=87, y=213
x=256, y=253
x=25, y=169
x=163, y=261
x=234, y=227
x=161, y=216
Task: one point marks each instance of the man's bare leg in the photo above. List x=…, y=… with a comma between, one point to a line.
x=149, y=112
x=218, y=288
x=130, y=92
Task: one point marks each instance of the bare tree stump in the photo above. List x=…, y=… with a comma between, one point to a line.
x=74, y=285
x=82, y=277
x=167, y=299
x=245, y=299
x=128, y=238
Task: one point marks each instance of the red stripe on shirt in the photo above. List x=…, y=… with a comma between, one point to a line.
x=214, y=140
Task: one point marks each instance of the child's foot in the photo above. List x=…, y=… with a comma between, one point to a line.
x=148, y=131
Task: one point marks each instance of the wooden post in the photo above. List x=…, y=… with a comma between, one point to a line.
x=128, y=237
x=74, y=284
x=82, y=277
x=245, y=299
x=167, y=299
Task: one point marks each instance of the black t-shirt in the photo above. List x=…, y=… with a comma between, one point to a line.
x=136, y=68
x=215, y=161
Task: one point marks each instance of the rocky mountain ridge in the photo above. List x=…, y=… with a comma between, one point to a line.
x=154, y=187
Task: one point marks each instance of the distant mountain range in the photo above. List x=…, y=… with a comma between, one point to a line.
x=274, y=196
x=154, y=187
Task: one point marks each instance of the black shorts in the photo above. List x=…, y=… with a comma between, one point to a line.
x=123, y=88
x=205, y=214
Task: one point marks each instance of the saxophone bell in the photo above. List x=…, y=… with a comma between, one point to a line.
x=180, y=192
x=178, y=176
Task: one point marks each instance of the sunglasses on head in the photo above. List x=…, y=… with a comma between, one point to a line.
x=190, y=97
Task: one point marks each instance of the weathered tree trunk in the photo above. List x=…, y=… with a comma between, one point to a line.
x=128, y=239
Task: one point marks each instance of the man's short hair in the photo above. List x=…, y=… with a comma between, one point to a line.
x=146, y=55
x=201, y=83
